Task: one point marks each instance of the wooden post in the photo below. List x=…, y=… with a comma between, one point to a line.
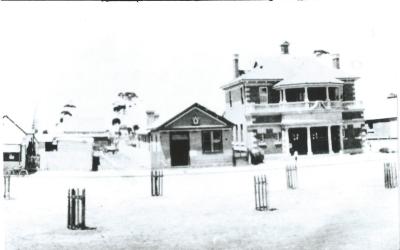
x=255, y=191
x=83, y=208
x=161, y=183
x=261, y=193
x=156, y=182
x=7, y=181
x=69, y=209
x=291, y=176
x=151, y=178
x=390, y=175
x=73, y=209
x=77, y=199
x=266, y=193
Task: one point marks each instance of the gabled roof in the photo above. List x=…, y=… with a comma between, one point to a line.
x=210, y=113
x=293, y=70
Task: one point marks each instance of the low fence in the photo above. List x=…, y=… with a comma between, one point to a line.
x=7, y=181
x=156, y=182
x=291, y=176
x=76, y=209
x=261, y=192
x=390, y=175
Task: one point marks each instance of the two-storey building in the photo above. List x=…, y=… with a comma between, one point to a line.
x=289, y=103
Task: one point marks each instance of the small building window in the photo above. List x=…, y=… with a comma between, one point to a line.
x=212, y=141
x=263, y=94
x=11, y=156
x=50, y=146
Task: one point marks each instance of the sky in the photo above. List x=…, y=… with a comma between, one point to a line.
x=174, y=54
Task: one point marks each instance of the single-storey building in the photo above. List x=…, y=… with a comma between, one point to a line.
x=195, y=137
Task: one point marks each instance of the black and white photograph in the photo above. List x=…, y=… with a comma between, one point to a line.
x=200, y=125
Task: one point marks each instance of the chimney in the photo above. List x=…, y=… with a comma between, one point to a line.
x=236, y=65
x=150, y=117
x=336, y=61
x=285, y=48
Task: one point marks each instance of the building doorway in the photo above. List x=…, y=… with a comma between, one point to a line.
x=319, y=140
x=298, y=139
x=335, y=132
x=179, y=148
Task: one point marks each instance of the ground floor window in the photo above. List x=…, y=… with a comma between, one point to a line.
x=212, y=141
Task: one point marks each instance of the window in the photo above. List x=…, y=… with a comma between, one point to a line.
x=11, y=156
x=230, y=99
x=263, y=94
x=50, y=146
x=241, y=95
x=212, y=141
x=295, y=95
x=317, y=94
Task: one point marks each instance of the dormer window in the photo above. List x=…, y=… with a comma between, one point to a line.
x=263, y=94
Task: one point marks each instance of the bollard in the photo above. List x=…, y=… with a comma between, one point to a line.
x=156, y=182
x=7, y=181
x=261, y=193
x=291, y=176
x=76, y=218
x=390, y=175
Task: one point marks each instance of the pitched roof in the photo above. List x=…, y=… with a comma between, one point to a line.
x=160, y=124
x=294, y=70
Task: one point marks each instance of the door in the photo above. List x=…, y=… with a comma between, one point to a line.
x=335, y=131
x=319, y=140
x=298, y=139
x=179, y=148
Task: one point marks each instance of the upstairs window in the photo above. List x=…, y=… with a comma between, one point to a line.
x=317, y=94
x=212, y=141
x=295, y=95
x=241, y=95
x=263, y=94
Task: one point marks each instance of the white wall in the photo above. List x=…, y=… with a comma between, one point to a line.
x=71, y=155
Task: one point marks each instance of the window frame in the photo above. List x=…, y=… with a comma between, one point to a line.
x=212, y=141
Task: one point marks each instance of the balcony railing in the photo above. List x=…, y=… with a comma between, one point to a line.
x=303, y=106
